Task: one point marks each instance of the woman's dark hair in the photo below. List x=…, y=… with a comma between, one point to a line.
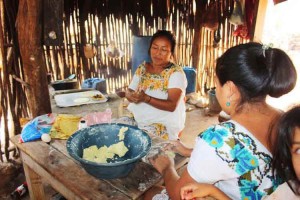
x=166, y=34
x=282, y=157
x=257, y=71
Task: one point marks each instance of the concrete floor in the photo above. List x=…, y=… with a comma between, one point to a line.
x=197, y=120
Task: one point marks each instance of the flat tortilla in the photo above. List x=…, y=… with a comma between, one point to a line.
x=81, y=100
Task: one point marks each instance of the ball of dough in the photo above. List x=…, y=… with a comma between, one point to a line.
x=46, y=138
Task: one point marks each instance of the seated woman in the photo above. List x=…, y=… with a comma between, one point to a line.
x=157, y=91
x=235, y=156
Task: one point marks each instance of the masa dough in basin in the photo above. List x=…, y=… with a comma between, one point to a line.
x=101, y=155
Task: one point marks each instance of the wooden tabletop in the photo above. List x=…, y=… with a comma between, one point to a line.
x=52, y=163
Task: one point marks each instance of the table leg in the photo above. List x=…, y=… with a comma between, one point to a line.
x=35, y=185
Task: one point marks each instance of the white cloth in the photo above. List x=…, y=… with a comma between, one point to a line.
x=282, y=192
x=145, y=114
x=230, y=157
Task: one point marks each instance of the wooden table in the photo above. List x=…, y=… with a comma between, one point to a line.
x=115, y=103
x=51, y=163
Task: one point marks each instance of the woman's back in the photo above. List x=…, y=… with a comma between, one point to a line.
x=234, y=159
x=259, y=120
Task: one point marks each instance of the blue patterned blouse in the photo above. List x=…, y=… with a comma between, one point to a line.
x=230, y=157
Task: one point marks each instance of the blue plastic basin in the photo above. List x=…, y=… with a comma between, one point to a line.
x=137, y=141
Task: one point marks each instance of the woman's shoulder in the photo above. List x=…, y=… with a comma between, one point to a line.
x=238, y=149
x=216, y=134
x=173, y=67
x=231, y=135
x=143, y=65
x=220, y=128
x=141, y=68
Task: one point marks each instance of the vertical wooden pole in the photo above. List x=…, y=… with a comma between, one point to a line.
x=260, y=20
x=200, y=5
x=29, y=29
x=34, y=181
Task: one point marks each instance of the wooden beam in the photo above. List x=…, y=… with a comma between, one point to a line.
x=260, y=20
x=29, y=28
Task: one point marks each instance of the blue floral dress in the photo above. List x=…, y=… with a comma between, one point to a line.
x=230, y=157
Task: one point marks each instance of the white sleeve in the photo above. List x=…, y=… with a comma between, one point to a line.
x=178, y=80
x=205, y=166
x=135, y=82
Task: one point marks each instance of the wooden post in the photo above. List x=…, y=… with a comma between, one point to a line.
x=196, y=47
x=84, y=7
x=35, y=184
x=260, y=20
x=29, y=30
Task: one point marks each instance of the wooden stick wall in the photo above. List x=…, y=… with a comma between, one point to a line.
x=102, y=28
x=99, y=23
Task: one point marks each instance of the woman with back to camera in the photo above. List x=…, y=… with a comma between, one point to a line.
x=235, y=156
x=157, y=90
x=286, y=163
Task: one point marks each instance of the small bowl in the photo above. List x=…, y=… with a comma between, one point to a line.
x=137, y=141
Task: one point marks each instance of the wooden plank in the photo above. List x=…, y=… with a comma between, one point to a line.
x=63, y=174
x=36, y=193
x=141, y=178
x=34, y=181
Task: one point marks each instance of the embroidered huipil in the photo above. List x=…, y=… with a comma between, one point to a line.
x=230, y=157
x=157, y=85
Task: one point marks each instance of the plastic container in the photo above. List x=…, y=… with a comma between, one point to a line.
x=190, y=73
x=140, y=51
x=19, y=192
x=82, y=124
x=95, y=83
x=137, y=141
x=214, y=105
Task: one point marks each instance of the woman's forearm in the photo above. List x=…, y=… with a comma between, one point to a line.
x=162, y=104
x=169, y=104
x=171, y=177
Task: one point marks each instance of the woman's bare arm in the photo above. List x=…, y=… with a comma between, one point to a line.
x=169, y=104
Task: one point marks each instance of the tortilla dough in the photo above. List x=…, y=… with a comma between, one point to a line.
x=122, y=133
x=101, y=155
x=81, y=100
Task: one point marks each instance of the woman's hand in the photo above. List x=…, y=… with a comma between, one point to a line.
x=136, y=97
x=178, y=147
x=195, y=190
x=162, y=162
x=128, y=95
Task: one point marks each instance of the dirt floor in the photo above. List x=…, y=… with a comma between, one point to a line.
x=12, y=174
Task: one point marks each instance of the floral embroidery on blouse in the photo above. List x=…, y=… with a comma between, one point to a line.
x=156, y=81
x=240, y=152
